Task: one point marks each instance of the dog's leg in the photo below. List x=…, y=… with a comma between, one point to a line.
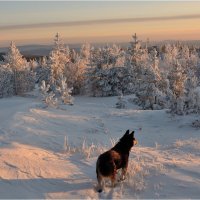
x=113, y=181
x=100, y=183
x=113, y=177
x=123, y=174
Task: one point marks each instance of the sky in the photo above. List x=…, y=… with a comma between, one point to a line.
x=37, y=22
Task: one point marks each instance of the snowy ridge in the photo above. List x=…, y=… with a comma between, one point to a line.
x=51, y=153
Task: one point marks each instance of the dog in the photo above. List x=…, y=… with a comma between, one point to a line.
x=116, y=158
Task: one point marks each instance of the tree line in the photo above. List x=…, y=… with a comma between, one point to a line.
x=164, y=77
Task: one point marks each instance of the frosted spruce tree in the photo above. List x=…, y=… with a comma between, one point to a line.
x=85, y=52
x=177, y=78
x=24, y=78
x=149, y=94
x=58, y=72
x=97, y=79
x=170, y=55
x=57, y=60
x=136, y=61
x=83, y=63
x=105, y=74
x=121, y=103
x=71, y=70
x=64, y=91
x=6, y=82
x=48, y=97
x=114, y=71
x=192, y=95
x=42, y=71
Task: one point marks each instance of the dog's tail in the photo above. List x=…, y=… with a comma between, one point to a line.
x=99, y=178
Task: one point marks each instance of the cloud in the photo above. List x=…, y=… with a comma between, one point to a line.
x=96, y=22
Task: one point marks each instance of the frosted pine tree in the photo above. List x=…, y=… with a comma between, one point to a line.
x=80, y=68
x=14, y=58
x=85, y=52
x=177, y=79
x=6, y=82
x=90, y=81
x=24, y=78
x=113, y=61
x=44, y=88
x=170, y=55
x=57, y=60
x=136, y=61
x=192, y=104
x=48, y=97
x=71, y=69
x=112, y=71
x=184, y=52
x=154, y=60
x=15, y=62
x=148, y=92
x=129, y=80
x=152, y=90
x=97, y=80
x=121, y=103
x=83, y=63
x=139, y=55
x=160, y=81
x=43, y=61
x=105, y=74
x=64, y=91
x=33, y=64
x=42, y=71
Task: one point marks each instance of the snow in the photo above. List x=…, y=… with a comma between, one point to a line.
x=36, y=163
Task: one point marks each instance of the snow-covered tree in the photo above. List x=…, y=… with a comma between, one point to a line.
x=149, y=93
x=24, y=78
x=85, y=52
x=112, y=70
x=79, y=75
x=170, y=54
x=121, y=103
x=196, y=123
x=105, y=71
x=48, y=96
x=136, y=62
x=192, y=104
x=57, y=60
x=32, y=64
x=71, y=70
x=25, y=81
x=64, y=91
x=154, y=59
x=153, y=85
x=177, y=79
x=6, y=82
x=14, y=58
x=95, y=73
x=43, y=71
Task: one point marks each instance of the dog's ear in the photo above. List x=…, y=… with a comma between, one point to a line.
x=132, y=134
x=126, y=134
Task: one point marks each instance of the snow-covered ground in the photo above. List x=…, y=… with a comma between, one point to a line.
x=51, y=153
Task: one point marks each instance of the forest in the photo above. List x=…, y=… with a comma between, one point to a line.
x=161, y=77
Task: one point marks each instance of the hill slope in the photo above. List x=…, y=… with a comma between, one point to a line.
x=49, y=153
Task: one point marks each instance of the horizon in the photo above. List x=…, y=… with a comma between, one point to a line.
x=31, y=22
x=51, y=44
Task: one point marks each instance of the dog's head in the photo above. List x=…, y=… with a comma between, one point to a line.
x=129, y=139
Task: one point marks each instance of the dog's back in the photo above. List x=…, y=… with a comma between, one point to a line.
x=106, y=163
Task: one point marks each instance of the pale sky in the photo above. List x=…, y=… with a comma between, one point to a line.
x=97, y=21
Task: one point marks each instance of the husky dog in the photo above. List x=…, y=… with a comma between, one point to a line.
x=116, y=158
